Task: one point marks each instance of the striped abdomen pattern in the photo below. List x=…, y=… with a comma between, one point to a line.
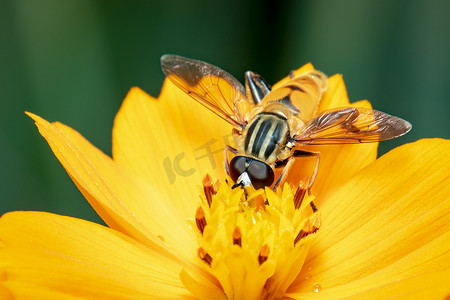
x=266, y=135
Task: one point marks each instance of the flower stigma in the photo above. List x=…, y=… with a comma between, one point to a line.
x=254, y=241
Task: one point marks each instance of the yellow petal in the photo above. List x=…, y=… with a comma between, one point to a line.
x=46, y=256
x=387, y=224
x=432, y=285
x=124, y=201
x=171, y=142
x=336, y=94
x=338, y=163
x=303, y=69
x=200, y=289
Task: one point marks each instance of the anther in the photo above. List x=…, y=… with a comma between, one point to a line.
x=237, y=237
x=259, y=202
x=304, y=233
x=204, y=256
x=209, y=188
x=310, y=227
x=263, y=254
x=299, y=195
x=313, y=206
x=200, y=219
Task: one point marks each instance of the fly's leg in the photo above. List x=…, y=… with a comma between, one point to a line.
x=301, y=153
x=287, y=163
x=227, y=149
x=236, y=135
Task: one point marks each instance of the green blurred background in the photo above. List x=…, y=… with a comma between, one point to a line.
x=75, y=60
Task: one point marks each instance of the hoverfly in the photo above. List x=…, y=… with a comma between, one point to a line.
x=270, y=124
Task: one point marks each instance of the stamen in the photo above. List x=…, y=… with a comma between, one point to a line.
x=313, y=206
x=237, y=237
x=200, y=219
x=299, y=196
x=209, y=188
x=304, y=233
x=310, y=227
x=236, y=225
x=263, y=254
x=259, y=202
x=216, y=186
x=204, y=256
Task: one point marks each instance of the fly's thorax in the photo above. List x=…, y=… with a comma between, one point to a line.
x=266, y=136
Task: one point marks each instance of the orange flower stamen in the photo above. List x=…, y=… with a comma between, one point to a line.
x=200, y=219
x=263, y=254
x=237, y=237
x=204, y=256
x=209, y=188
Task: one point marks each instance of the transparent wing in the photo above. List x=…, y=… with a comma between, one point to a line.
x=211, y=86
x=351, y=125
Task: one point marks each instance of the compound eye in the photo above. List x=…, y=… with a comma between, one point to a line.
x=261, y=174
x=237, y=167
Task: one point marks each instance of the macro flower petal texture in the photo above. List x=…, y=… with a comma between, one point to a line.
x=174, y=232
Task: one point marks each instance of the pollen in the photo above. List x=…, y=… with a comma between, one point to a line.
x=254, y=241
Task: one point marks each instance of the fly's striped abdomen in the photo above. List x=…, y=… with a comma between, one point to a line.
x=301, y=94
x=265, y=136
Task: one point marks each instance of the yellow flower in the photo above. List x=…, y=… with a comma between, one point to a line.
x=384, y=228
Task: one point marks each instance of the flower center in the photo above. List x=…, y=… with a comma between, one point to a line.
x=254, y=241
